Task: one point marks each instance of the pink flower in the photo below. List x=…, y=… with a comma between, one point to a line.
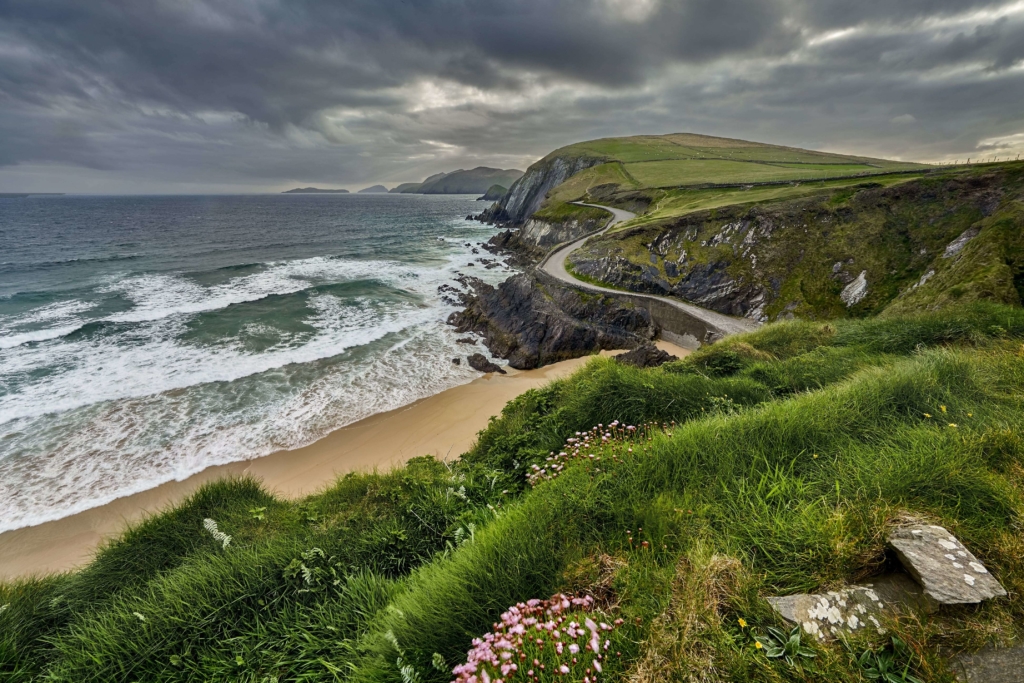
x=597, y=666
x=574, y=648
x=564, y=669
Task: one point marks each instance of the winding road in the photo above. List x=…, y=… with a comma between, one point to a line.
x=554, y=265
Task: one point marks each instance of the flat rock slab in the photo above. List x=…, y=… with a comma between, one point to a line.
x=827, y=615
x=991, y=666
x=946, y=570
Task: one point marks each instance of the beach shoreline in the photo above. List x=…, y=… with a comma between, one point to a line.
x=444, y=425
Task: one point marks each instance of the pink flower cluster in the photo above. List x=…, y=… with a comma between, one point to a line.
x=586, y=446
x=546, y=628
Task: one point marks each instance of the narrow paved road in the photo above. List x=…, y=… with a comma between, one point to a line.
x=554, y=265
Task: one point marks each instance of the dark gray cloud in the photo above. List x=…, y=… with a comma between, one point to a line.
x=234, y=94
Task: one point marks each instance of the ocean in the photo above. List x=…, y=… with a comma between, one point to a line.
x=143, y=339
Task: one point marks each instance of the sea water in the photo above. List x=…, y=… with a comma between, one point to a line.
x=143, y=339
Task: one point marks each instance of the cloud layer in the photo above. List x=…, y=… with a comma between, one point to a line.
x=186, y=95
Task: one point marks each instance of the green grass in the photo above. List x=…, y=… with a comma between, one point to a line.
x=648, y=173
x=778, y=461
x=676, y=173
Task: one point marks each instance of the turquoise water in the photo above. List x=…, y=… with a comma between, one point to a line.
x=143, y=339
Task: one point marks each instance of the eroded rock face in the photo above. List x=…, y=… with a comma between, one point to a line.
x=533, y=323
x=826, y=616
x=855, y=292
x=645, y=356
x=957, y=245
x=946, y=570
x=527, y=194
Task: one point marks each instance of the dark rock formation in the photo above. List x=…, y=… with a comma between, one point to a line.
x=532, y=322
x=645, y=356
x=456, y=361
x=479, y=362
x=466, y=340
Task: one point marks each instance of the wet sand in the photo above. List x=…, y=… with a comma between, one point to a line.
x=444, y=425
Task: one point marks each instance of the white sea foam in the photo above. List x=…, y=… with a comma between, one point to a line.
x=63, y=318
x=122, y=412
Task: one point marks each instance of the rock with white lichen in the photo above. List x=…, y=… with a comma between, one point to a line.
x=946, y=570
x=827, y=616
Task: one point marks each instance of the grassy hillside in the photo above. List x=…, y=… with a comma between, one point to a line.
x=784, y=251
x=650, y=170
x=769, y=463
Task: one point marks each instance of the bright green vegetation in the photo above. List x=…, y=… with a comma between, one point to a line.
x=778, y=463
x=644, y=148
x=644, y=173
x=674, y=173
x=680, y=201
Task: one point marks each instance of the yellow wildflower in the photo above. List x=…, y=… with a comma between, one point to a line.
x=952, y=424
x=928, y=415
x=970, y=414
x=758, y=645
x=942, y=408
x=815, y=455
x=743, y=623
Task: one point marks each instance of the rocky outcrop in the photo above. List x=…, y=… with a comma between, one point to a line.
x=480, y=363
x=709, y=285
x=531, y=323
x=855, y=292
x=645, y=356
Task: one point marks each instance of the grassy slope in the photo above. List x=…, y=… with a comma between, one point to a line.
x=896, y=231
x=650, y=170
x=794, y=449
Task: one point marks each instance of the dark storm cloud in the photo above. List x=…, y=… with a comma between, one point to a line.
x=263, y=92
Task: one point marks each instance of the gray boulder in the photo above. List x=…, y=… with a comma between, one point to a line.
x=946, y=570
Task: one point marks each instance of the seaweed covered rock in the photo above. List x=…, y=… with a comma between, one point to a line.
x=533, y=322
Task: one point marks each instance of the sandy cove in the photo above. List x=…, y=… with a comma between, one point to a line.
x=444, y=425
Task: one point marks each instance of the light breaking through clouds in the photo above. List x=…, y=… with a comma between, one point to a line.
x=253, y=95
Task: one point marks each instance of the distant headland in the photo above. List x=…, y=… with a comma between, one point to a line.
x=313, y=190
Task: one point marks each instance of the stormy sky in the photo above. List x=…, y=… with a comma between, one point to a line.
x=261, y=95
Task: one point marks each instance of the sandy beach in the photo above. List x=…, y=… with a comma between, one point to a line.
x=444, y=425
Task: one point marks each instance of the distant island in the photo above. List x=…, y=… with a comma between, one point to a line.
x=474, y=181
x=373, y=189
x=313, y=190
x=19, y=195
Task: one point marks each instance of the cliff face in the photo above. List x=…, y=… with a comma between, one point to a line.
x=533, y=323
x=846, y=252
x=526, y=195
